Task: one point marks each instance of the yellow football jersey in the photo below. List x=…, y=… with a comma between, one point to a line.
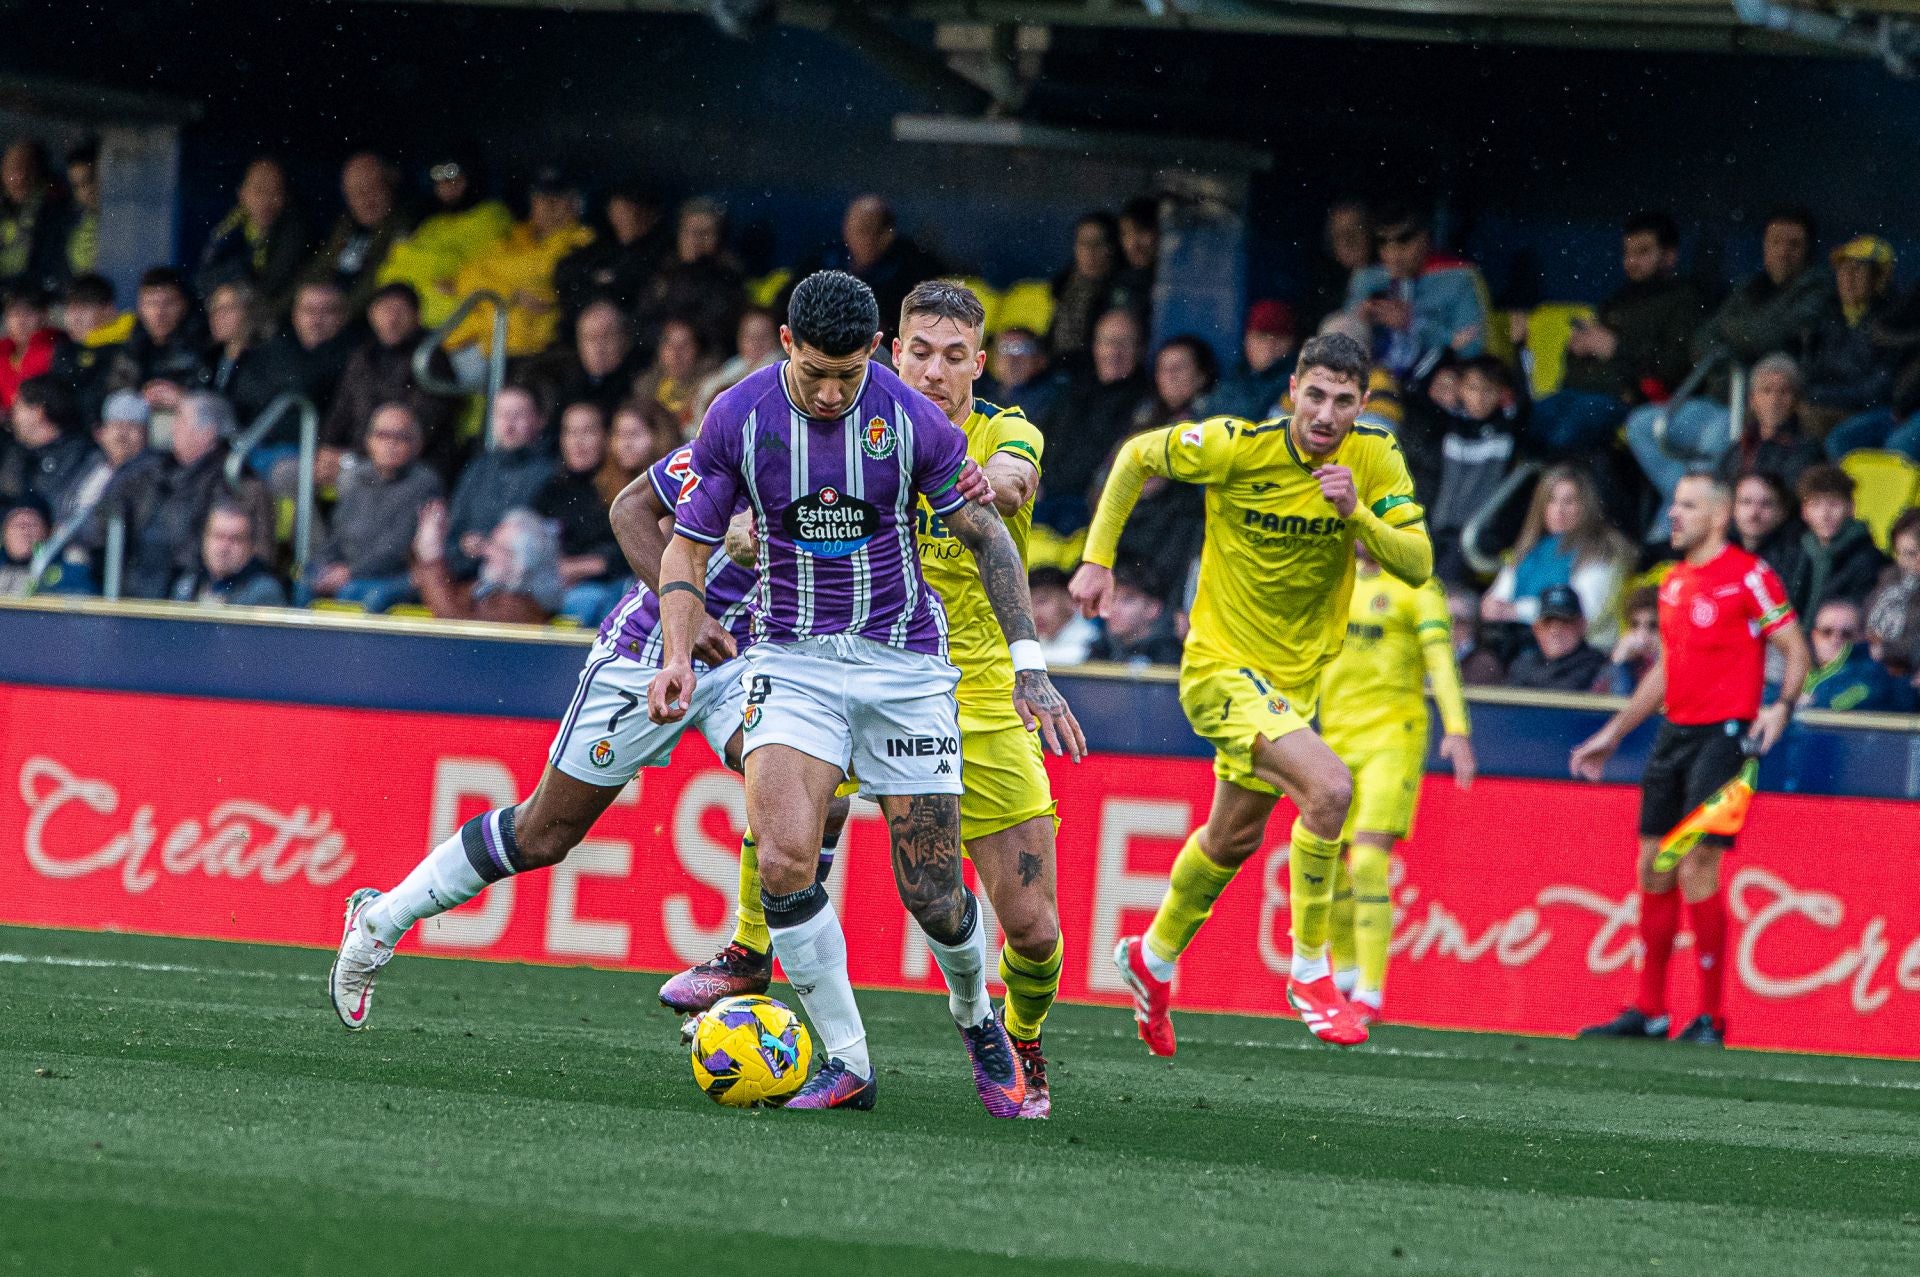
x=1277, y=565
x=1398, y=636
x=975, y=644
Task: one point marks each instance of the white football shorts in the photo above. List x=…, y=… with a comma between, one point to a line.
x=606, y=736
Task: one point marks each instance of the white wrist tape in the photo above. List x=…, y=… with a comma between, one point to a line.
x=1027, y=655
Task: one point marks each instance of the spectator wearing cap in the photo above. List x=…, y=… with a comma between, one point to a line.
x=161, y=357
x=1066, y=637
x=463, y=225
x=228, y=572
x=503, y=478
x=1085, y=288
x=365, y=556
x=1419, y=302
x=1018, y=375
x=306, y=358
x=34, y=219
x=24, y=524
x=1893, y=612
x=1138, y=628
x=1637, y=347
x=1561, y=659
x=44, y=457
x=699, y=281
x=519, y=268
x=263, y=241
x=28, y=344
x=1774, y=439
x=120, y=464
x=1845, y=370
x=1266, y=352
x=1836, y=558
x=621, y=261
x=380, y=370
x=1845, y=674
x=365, y=231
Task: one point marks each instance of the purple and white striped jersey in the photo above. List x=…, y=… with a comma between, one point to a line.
x=834, y=504
x=633, y=628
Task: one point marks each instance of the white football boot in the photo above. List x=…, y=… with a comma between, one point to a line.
x=350, y=980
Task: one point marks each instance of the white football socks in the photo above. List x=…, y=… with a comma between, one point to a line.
x=1158, y=967
x=964, y=964
x=1308, y=969
x=446, y=878
x=814, y=954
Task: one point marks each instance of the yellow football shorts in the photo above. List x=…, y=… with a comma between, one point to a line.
x=1230, y=706
x=1386, y=784
x=1004, y=774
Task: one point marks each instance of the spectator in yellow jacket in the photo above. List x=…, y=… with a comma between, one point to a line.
x=520, y=269
x=462, y=227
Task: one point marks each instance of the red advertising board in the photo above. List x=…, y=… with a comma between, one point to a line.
x=251, y=821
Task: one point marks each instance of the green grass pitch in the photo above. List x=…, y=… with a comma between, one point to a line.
x=182, y=1107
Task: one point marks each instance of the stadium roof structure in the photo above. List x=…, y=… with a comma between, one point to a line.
x=1883, y=29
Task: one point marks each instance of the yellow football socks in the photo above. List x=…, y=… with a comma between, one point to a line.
x=1372, y=915
x=1195, y=884
x=1343, y=953
x=1310, y=870
x=1031, y=989
x=750, y=923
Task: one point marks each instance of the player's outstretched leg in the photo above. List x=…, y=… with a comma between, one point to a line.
x=925, y=830
x=745, y=964
x=493, y=845
x=1017, y=868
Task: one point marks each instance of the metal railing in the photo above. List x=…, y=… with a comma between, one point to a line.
x=1689, y=389
x=114, y=559
x=304, y=494
x=430, y=382
x=1484, y=562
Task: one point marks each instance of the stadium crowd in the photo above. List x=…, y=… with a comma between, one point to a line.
x=626, y=315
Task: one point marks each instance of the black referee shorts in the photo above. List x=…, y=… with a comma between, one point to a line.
x=1687, y=764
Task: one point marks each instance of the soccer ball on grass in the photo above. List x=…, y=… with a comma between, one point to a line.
x=750, y=1051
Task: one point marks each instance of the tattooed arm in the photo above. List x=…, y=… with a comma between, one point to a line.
x=1040, y=705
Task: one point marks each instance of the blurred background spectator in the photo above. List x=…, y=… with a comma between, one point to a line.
x=1086, y=288
x=1766, y=520
x=35, y=219
x=161, y=357
x=1638, y=646
x=227, y=571
x=1346, y=248
x=365, y=230
x=622, y=258
x=1774, y=439
x=1845, y=674
x=364, y=557
x=1418, y=302
x=1893, y=612
x=1018, y=375
x=263, y=242
x=380, y=370
x=1565, y=540
x=519, y=570
x=503, y=478
x=699, y=281
x=1138, y=628
x=1561, y=659
x=680, y=365
x=756, y=345
x=461, y=226
x=43, y=457
x=1836, y=557
x=1093, y=413
x=169, y=509
x=592, y=571
x=24, y=524
x=1266, y=364
x=28, y=343
x=1066, y=637
x=1847, y=370
x=518, y=268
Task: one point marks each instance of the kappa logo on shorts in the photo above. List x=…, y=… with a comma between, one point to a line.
x=877, y=439
x=944, y=769
x=750, y=719
x=601, y=753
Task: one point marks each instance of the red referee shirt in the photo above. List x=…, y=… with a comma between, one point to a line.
x=1714, y=620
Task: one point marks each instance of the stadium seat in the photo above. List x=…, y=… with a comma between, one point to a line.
x=1027, y=304
x=765, y=290
x=1048, y=549
x=1548, y=328
x=412, y=611
x=1886, y=483
x=337, y=605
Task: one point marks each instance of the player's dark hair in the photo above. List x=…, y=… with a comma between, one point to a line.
x=165, y=277
x=95, y=290
x=1660, y=225
x=944, y=299
x=1338, y=354
x=833, y=313
x=1796, y=215
x=1824, y=481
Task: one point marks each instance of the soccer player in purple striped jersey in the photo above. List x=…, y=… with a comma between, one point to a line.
x=604, y=739
x=849, y=674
